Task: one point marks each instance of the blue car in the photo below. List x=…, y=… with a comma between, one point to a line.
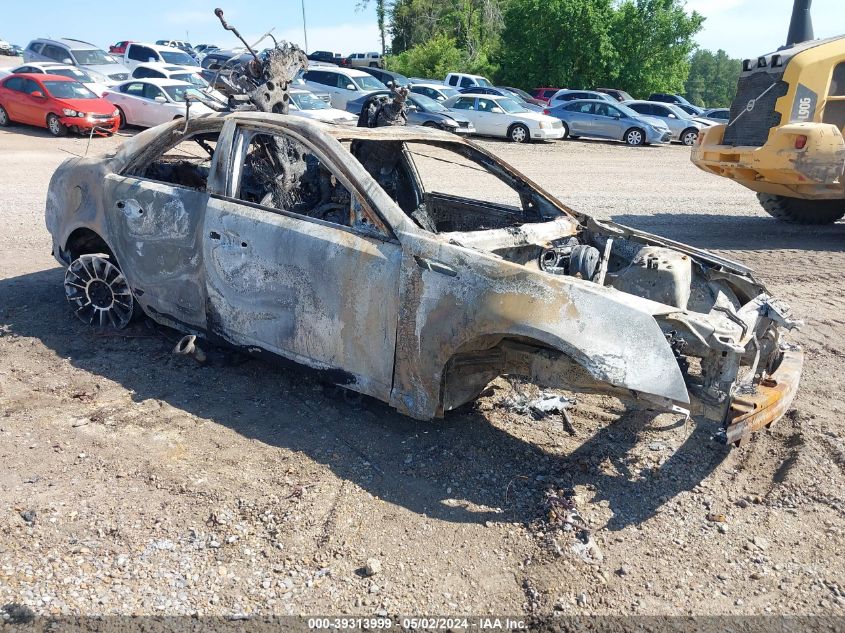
x=602, y=119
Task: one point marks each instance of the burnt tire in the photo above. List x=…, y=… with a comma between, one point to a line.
x=798, y=211
x=98, y=292
x=4, y=117
x=634, y=137
x=689, y=136
x=519, y=133
x=56, y=127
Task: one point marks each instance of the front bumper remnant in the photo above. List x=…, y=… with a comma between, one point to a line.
x=771, y=399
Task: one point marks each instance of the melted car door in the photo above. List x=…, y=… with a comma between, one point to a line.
x=296, y=265
x=155, y=220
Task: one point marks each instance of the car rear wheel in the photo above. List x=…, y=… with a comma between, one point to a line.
x=4, y=117
x=689, y=136
x=55, y=126
x=635, y=137
x=98, y=292
x=122, y=118
x=519, y=133
x=798, y=211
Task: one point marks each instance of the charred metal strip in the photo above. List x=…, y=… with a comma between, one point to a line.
x=772, y=399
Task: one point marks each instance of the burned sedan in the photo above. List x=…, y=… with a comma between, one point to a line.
x=410, y=265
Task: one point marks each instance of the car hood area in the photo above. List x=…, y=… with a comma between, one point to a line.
x=90, y=106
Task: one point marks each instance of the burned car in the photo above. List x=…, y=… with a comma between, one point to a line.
x=410, y=265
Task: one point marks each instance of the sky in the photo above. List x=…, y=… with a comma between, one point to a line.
x=743, y=28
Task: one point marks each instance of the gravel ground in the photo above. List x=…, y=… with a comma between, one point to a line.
x=134, y=482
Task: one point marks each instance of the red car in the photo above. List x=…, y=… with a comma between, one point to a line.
x=55, y=102
x=120, y=47
x=544, y=94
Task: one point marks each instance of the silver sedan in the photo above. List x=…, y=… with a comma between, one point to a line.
x=684, y=128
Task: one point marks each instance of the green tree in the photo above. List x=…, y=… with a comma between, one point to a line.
x=652, y=40
x=562, y=43
x=712, y=78
x=436, y=58
x=382, y=8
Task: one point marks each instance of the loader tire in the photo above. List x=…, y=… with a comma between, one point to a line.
x=799, y=211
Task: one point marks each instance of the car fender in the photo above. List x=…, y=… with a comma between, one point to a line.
x=450, y=295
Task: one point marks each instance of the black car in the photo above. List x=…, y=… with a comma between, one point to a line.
x=326, y=57
x=422, y=111
x=664, y=97
x=385, y=76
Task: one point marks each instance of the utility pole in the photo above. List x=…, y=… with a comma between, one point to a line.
x=304, y=27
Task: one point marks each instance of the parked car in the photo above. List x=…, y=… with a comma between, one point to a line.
x=664, y=97
x=423, y=111
x=369, y=60
x=17, y=51
x=218, y=63
x=204, y=49
x=524, y=96
x=65, y=70
x=55, y=102
x=385, y=76
x=562, y=96
x=151, y=102
x=544, y=94
x=142, y=53
x=619, y=95
x=684, y=128
x=692, y=110
x=600, y=119
x=6, y=48
x=436, y=91
x=505, y=117
x=500, y=92
x=156, y=70
x=180, y=44
x=722, y=115
x=327, y=57
x=304, y=104
x=342, y=84
x=119, y=48
x=102, y=67
x=463, y=80
x=458, y=280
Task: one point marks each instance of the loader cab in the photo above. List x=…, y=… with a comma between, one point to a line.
x=799, y=84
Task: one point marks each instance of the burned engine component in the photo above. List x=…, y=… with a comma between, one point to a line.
x=570, y=258
x=385, y=111
x=263, y=82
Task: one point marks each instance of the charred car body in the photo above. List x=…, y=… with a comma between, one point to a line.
x=348, y=250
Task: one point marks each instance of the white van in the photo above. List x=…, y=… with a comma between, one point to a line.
x=141, y=53
x=462, y=80
x=342, y=84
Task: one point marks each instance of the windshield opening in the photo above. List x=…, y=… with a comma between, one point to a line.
x=92, y=57
x=368, y=83
x=481, y=81
x=71, y=73
x=191, y=78
x=68, y=90
x=307, y=101
x=177, y=93
x=427, y=103
x=511, y=106
x=177, y=57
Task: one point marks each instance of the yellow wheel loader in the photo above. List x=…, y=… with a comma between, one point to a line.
x=784, y=138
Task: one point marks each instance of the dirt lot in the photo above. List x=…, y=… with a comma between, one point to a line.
x=162, y=487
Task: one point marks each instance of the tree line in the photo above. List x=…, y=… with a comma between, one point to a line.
x=640, y=46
